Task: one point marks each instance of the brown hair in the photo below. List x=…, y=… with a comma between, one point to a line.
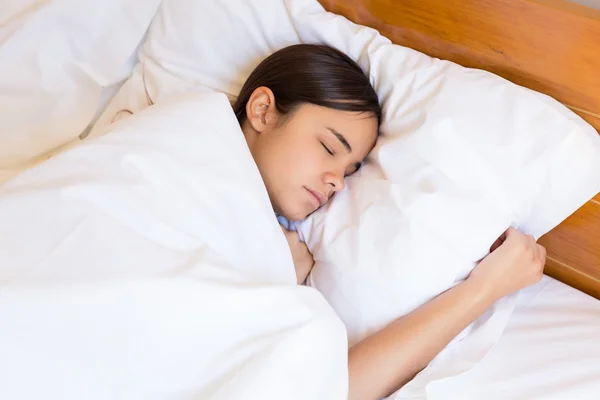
x=311, y=73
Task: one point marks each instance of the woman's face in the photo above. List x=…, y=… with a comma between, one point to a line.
x=304, y=157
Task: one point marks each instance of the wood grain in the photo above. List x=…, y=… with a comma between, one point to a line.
x=573, y=277
x=551, y=46
x=574, y=250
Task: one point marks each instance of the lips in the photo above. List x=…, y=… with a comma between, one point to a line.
x=318, y=198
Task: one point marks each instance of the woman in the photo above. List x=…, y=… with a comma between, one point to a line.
x=310, y=117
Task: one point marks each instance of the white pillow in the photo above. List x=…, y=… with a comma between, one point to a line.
x=464, y=153
x=478, y=155
x=57, y=56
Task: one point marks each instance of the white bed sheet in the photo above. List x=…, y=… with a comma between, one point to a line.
x=549, y=350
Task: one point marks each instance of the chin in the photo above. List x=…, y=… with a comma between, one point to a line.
x=294, y=209
x=295, y=215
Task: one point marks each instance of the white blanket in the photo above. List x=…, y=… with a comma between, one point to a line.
x=149, y=264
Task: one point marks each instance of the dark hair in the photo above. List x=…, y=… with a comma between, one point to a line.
x=311, y=73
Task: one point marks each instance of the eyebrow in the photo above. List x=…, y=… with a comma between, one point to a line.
x=342, y=139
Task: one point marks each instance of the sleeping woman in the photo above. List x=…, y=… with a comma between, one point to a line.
x=310, y=117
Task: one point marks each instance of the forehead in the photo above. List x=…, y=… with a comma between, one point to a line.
x=359, y=129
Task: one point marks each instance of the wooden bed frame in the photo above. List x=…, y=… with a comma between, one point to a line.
x=550, y=46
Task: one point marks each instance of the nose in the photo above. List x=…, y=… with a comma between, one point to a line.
x=335, y=181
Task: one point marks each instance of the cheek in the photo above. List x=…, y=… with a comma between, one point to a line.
x=299, y=160
x=288, y=167
x=314, y=163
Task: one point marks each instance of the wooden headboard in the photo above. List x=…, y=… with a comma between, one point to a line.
x=550, y=46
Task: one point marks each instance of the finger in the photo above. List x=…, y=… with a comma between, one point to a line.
x=498, y=242
x=503, y=236
x=512, y=234
x=532, y=244
x=541, y=253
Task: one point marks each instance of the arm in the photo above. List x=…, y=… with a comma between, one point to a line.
x=387, y=360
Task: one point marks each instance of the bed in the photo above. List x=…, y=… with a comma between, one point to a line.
x=550, y=46
x=547, y=45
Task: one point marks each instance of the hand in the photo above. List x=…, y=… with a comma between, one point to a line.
x=516, y=262
x=303, y=260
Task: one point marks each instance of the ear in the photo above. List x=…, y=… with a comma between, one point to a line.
x=260, y=109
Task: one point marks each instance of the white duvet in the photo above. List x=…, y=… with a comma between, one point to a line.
x=149, y=264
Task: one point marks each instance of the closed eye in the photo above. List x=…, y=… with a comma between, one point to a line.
x=354, y=169
x=327, y=149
